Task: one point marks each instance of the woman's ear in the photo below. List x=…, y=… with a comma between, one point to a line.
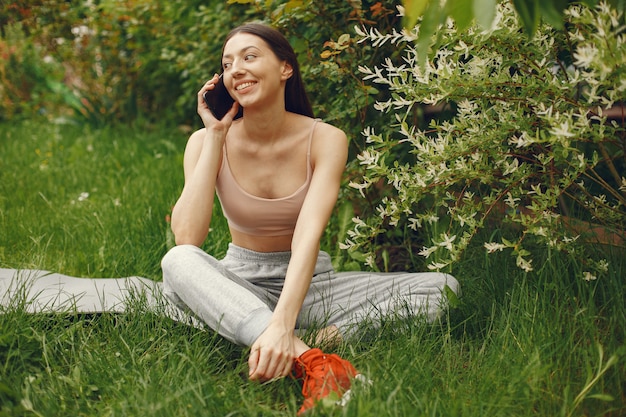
x=287, y=71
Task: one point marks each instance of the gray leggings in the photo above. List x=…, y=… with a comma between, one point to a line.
x=236, y=295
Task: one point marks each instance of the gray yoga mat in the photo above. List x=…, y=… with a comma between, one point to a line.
x=38, y=291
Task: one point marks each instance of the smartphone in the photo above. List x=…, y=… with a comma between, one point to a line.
x=218, y=100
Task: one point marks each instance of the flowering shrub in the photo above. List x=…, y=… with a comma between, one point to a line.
x=530, y=145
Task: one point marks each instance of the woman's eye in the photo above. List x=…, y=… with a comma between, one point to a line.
x=249, y=57
x=226, y=65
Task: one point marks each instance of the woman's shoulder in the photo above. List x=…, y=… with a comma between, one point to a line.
x=328, y=129
x=321, y=128
x=328, y=143
x=327, y=134
x=195, y=140
x=196, y=135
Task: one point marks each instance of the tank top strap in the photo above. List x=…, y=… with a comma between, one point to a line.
x=308, y=152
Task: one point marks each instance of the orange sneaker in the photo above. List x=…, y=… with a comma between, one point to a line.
x=323, y=375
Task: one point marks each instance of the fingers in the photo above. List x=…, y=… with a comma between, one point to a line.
x=207, y=116
x=209, y=85
x=233, y=111
x=253, y=361
x=266, y=364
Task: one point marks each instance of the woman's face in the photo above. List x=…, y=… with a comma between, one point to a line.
x=253, y=74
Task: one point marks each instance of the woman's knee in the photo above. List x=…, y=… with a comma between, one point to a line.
x=176, y=259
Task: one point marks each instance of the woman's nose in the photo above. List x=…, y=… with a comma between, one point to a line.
x=236, y=68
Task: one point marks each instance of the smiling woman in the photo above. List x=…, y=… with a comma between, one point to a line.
x=277, y=172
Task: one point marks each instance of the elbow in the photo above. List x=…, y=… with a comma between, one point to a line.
x=188, y=231
x=186, y=236
x=187, y=241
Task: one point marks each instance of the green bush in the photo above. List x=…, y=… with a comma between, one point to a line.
x=531, y=144
x=120, y=60
x=25, y=74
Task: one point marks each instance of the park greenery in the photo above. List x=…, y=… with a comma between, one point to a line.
x=94, y=202
x=531, y=143
x=487, y=139
x=531, y=13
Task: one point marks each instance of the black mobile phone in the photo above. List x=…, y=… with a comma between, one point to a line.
x=218, y=100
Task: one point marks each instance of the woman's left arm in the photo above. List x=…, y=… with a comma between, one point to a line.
x=275, y=349
x=328, y=155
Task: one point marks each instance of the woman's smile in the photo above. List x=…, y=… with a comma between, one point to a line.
x=240, y=87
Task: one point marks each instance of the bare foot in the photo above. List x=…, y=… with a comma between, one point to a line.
x=328, y=337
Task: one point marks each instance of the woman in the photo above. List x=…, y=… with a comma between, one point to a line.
x=277, y=172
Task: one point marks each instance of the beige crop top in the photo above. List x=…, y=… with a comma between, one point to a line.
x=259, y=216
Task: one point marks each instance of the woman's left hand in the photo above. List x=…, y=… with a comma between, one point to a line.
x=272, y=354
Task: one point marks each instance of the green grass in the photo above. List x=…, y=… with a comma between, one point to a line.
x=542, y=344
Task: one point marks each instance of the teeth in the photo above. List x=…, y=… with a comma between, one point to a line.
x=244, y=85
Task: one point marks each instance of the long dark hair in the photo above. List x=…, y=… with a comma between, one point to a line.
x=296, y=99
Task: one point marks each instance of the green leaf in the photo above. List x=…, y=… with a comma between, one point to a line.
x=433, y=17
x=453, y=299
x=344, y=39
x=461, y=11
x=552, y=12
x=357, y=256
x=528, y=12
x=351, y=266
x=5, y=389
x=386, y=260
x=485, y=11
x=413, y=9
x=602, y=397
x=345, y=215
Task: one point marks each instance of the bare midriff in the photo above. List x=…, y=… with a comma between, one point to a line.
x=261, y=243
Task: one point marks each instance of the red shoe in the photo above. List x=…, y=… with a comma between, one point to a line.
x=323, y=376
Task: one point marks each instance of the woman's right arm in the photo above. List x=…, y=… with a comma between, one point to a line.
x=191, y=216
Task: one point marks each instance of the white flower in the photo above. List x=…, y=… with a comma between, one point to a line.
x=415, y=224
x=521, y=141
x=462, y=47
x=511, y=167
x=447, y=241
x=360, y=187
x=511, y=201
x=432, y=218
x=81, y=31
x=370, y=261
x=83, y=196
x=493, y=247
x=524, y=264
x=370, y=159
x=588, y=276
x=563, y=130
x=585, y=55
x=426, y=252
x=437, y=265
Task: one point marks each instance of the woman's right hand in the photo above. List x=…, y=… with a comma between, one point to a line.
x=210, y=122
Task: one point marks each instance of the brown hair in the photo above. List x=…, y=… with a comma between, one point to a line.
x=296, y=99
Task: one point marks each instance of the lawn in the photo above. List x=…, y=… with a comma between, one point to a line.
x=94, y=203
